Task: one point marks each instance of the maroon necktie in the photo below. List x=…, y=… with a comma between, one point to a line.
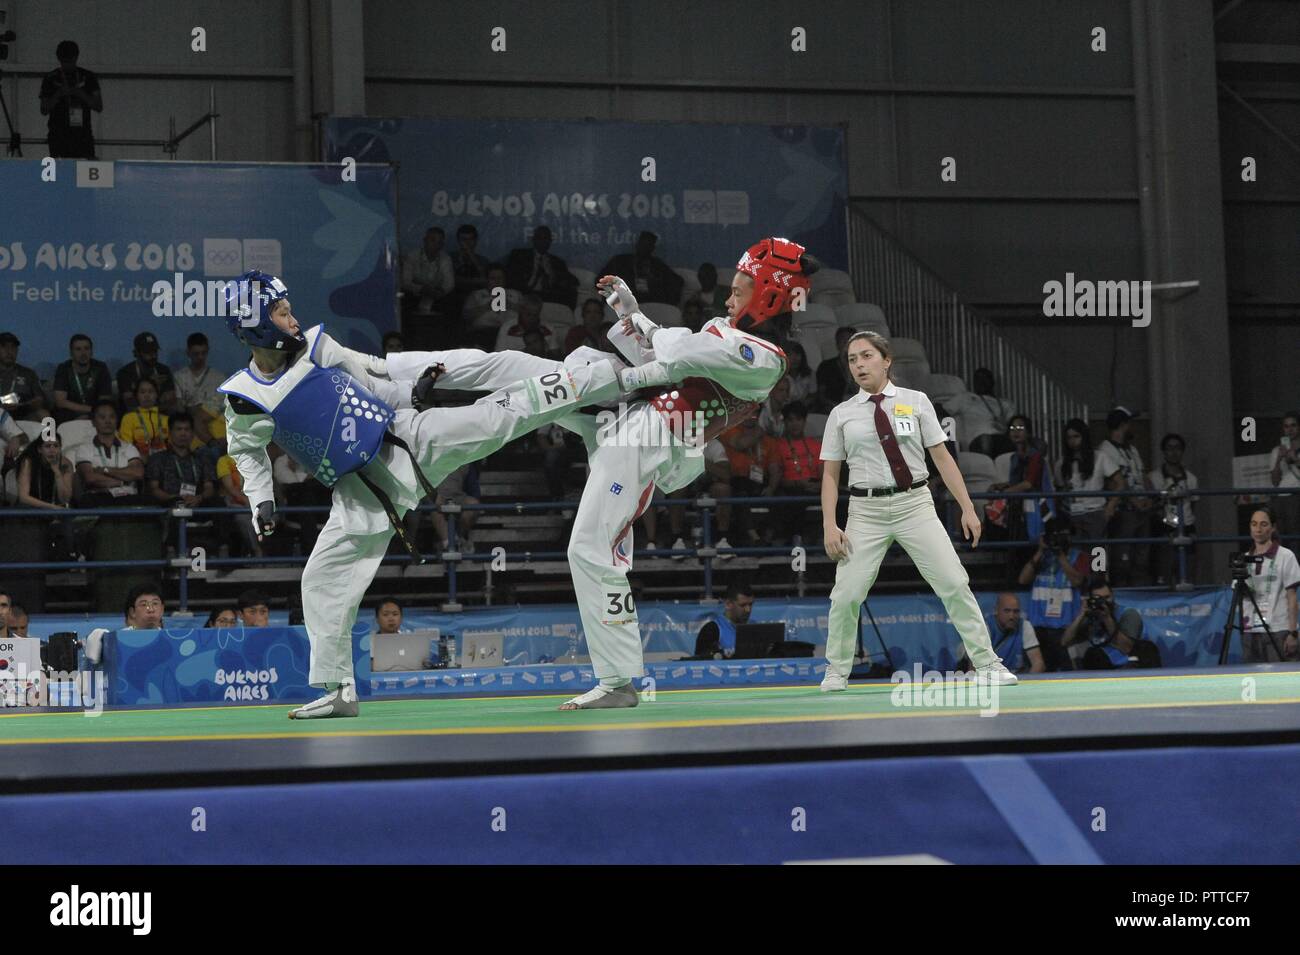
x=902, y=473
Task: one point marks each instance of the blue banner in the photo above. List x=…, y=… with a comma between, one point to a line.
x=716, y=189
x=82, y=255
x=237, y=665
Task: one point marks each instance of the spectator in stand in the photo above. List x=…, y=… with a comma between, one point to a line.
x=716, y=483
x=68, y=95
x=713, y=297
x=1172, y=477
x=18, y=621
x=231, y=484
x=13, y=438
x=1274, y=577
x=146, y=426
x=393, y=343
x=5, y=603
x=593, y=330
x=388, y=617
x=693, y=314
x=196, y=391
x=984, y=416
x=45, y=482
x=459, y=487
x=146, y=367
x=535, y=270
x=223, y=618
x=511, y=336
x=1057, y=571
x=1027, y=469
x=427, y=280
x=794, y=468
x=470, y=268
x=650, y=278
x=295, y=487
x=1284, y=472
x=1084, y=468
x=80, y=381
x=558, y=456
x=748, y=459
x=21, y=394
x=110, y=469
x=176, y=476
x=535, y=344
x=144, y=609
x=834, y=383
x=254, y=609
x=479, y=311
x=770, y=417
x=1131, y=515
x=803, y=383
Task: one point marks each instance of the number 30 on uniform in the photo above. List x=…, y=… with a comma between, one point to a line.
x=620, y=604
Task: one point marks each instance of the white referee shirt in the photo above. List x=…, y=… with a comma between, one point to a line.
x=851, y=435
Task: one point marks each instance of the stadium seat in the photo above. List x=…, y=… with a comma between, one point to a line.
x=490, y=319
x=911, y=373
x=586, y=281
x=812, y=349
x=504, y=343
x=29, y=428
x=815, y=426
x=559, y=318
x=73, y=433
x=1002, y=466
x=725, y=274
x=908, y=349
x=826, y=279
x=690, y=281
x=833, y=297
x=813, y=314
x=862, y=316
x=669, y=316
x=977, y=469
x=945, y=387
x=816, y=337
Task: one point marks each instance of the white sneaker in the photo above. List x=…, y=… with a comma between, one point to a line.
x=833, y=682
x=680, y=545
x=722, y=544
x=996, y=673
x=340, y=702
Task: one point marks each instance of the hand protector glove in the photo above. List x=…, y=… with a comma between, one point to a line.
x=265, y=520
x=422, y=393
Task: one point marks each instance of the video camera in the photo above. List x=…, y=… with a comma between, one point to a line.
x=1240, y=564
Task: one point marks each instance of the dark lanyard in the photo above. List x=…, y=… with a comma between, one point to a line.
x=176, y=463
x=81, y=390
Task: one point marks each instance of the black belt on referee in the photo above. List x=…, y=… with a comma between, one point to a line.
x=386, y=502
x=885, y=491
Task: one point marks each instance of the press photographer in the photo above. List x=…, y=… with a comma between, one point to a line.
x=1114, y=636
x=1273, y=574
x=1057, y=571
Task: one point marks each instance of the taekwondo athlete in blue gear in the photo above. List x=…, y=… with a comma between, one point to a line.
x=351, y=419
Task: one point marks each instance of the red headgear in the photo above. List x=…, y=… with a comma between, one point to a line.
x=774, y=266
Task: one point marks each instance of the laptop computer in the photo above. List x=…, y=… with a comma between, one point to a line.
x=754, y=640
x=402, y=651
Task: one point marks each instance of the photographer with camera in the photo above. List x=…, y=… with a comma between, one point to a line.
x=1057, y=571
x=68, y=95
x=1115, y=637
x=1273, y=575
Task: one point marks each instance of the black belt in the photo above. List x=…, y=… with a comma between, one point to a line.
x=386, y=502
x=885, y=491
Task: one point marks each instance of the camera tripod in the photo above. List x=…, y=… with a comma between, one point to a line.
x=1241, y=592
x=862, y=667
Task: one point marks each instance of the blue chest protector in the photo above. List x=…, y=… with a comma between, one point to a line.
x=325, y=419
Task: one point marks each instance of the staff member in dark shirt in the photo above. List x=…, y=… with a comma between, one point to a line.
x=68, y=95
x=80, y=382
x=146, y=365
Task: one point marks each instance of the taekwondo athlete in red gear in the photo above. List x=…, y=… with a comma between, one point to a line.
x=724, y=374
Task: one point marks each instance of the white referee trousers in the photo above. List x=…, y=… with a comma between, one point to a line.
x=874, y=523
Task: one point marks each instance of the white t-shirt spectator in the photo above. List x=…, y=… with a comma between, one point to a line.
x=199, y=390
x=1129, y=460
x=1163, y=482
x=1270, y=579
x=120, y=455
x=1103, y=466
x=419, y=269
x=714, y=452
x=1290, y=472
x=8, y=426
x=772, y=422
x=478, y=307
x=980, y=414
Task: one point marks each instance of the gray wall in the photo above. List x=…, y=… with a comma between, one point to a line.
x=1042, y=128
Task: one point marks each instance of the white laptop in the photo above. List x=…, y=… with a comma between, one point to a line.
x=402, y=651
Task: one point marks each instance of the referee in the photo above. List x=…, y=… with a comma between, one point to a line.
x=883, y=431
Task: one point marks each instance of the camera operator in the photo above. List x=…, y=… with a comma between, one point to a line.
x=1274, y=575
x=1115, y=637
x=1057, y=572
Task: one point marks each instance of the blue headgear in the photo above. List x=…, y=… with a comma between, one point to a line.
x=249, y=300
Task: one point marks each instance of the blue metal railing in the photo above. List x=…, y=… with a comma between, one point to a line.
x=707, y=552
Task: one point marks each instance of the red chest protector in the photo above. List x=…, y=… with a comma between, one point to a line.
x=698, y=410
